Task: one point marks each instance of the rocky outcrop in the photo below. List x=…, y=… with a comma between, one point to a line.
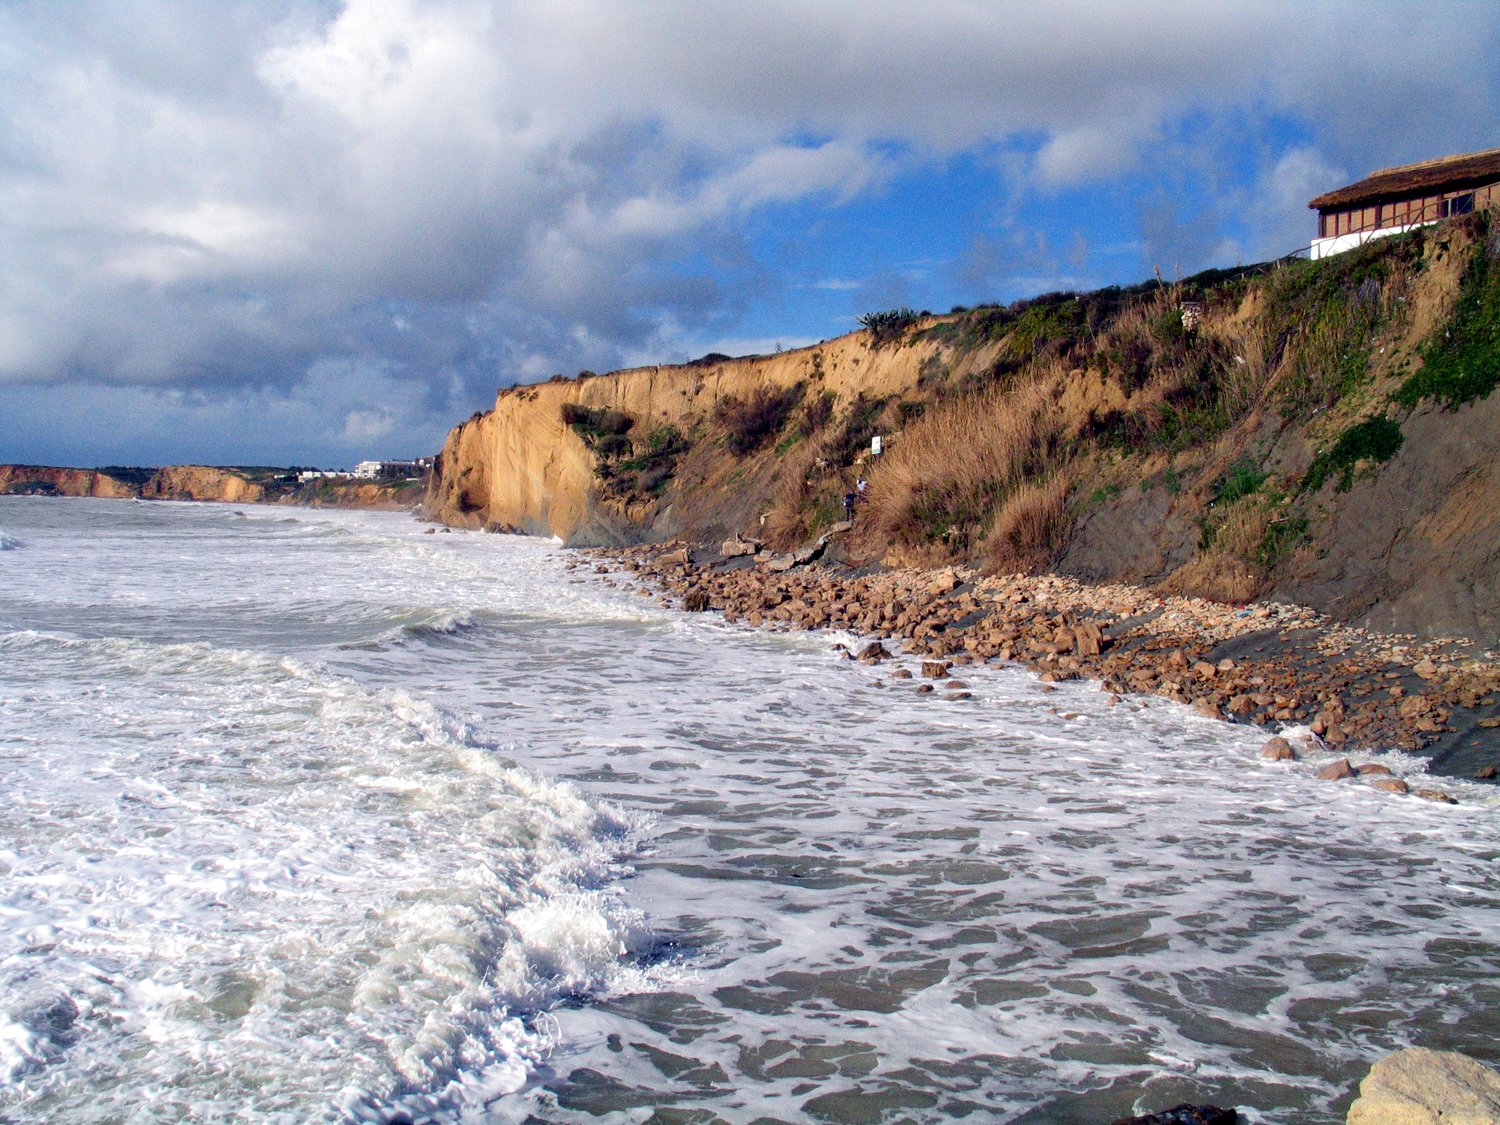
x=201, y=482
x=1422, y=1087
x=46, y=480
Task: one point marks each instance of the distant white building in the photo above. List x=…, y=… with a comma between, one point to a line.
x=392, y=470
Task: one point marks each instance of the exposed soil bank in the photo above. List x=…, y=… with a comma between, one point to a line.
x=1267, y=664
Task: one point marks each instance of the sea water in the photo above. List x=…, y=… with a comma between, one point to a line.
x=319, y=816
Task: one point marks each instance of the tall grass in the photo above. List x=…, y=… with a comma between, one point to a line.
x=956, y=464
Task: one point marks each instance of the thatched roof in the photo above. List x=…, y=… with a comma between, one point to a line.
x=1446, y=173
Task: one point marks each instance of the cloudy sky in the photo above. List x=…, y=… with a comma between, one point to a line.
x=311, y=231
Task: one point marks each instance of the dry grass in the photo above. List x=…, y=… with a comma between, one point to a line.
x=1030, y=526
x=956, y=463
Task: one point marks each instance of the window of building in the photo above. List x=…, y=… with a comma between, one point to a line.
x=1458, y=205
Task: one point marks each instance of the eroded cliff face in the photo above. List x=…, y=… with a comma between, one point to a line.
x=201, y=482
x=52, y=481
x=521, y=466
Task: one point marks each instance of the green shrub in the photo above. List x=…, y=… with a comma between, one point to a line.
x=1462, y=359
x=1375, y=439
x=1240, y=480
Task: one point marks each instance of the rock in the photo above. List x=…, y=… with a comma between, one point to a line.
x=1185, y=1114
x=1418, y=1086
x=1425, y=668
x=1436, y=795
x=1207, y=708
x=678, y=557
x=1278, y=749
x=1088, y=640
x=734, y=548
x=874, y=653
x=1390, y=785
x=696, y=601
x=1338, y=771
x=935, y=669
x=901, y=674
x=1485, y=773
x=924, y=689
x=1374, y=769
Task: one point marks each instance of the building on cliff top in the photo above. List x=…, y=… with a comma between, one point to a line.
x=1393, y=200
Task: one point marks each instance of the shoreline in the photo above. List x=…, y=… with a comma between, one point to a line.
x=1269, y=664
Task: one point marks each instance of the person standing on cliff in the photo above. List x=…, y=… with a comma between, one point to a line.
x=849, y=506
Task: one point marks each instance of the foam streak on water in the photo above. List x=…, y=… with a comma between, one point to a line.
x=318, y=816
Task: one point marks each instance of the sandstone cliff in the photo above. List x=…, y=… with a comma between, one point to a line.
x=1317, y=432
x=210, y=483
x=201, y=482
x=46, y=480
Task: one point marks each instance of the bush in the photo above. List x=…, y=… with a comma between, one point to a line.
x=751, y=424
x=816, y=413
x=1241, y=479
x=1375, y=439
x=888, y=326
x=1462, y=359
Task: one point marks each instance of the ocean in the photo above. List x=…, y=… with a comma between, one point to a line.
x=327, y=817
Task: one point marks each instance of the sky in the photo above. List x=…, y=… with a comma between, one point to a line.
x=313, y=232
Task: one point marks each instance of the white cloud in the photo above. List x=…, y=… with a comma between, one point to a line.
x=230, y=195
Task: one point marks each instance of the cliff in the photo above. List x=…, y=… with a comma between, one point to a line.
x=1314, y=432
x=47, y=480
x=209, y=483
x=201, y=482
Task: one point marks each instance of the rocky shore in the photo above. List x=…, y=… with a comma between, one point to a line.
x=1268, y=664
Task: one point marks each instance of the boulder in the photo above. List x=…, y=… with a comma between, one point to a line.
x=1338, y=771
x=1088, y=640
x=1278, y=749
x=874, y=653
x=935, y=669
x=734, y=548
x=1390, y=785
x=695, y=601
x=1418, y=1086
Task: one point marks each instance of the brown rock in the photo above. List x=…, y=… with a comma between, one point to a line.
x=1419, y=1086
x=1338, y=771
x=1390, y=785
x=1373, y=770
x=935, y=669
x=696, y=601
x=1436, y=795
x=1088, y=640
x=901, y=674
x=1485, y=773
x=1425, y=668
x=924, y=689
x=874, y=653
x=1278, y=749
